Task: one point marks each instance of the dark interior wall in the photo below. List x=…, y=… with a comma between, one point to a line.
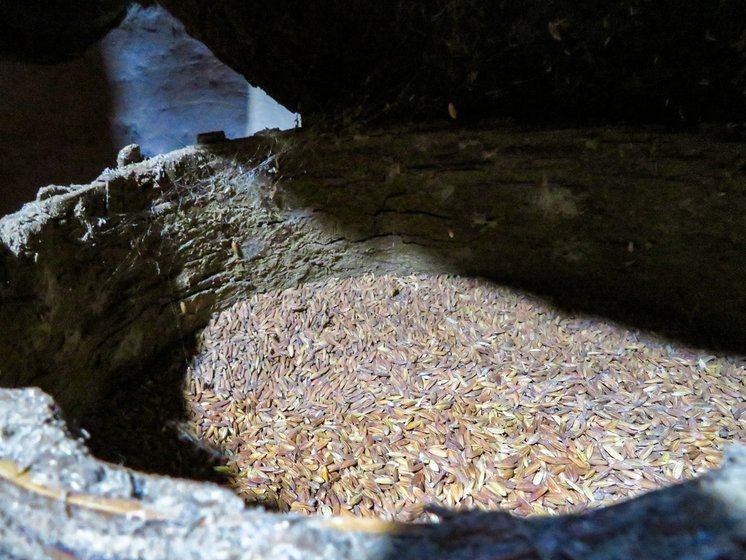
x=48, y=31
x=55, y=126
x=593, y=60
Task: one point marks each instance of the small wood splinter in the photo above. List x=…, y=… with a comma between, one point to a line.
x=22, y=478
x=236, y=249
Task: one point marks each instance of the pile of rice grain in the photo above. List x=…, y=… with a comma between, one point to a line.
x=377, y=395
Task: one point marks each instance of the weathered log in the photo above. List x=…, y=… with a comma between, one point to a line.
x=101, y=284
